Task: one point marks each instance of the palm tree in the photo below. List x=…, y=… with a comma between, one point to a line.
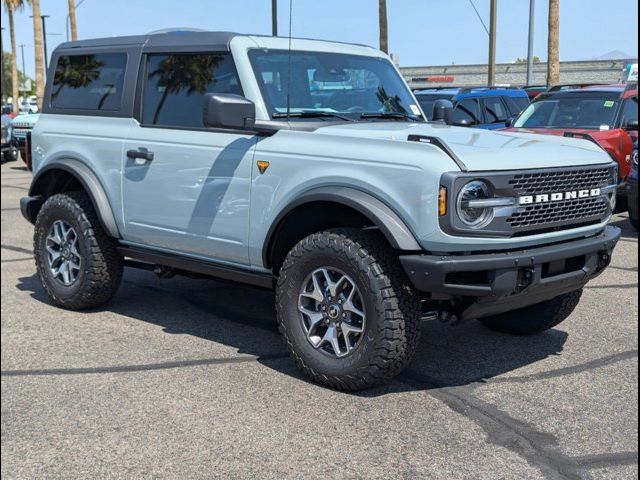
x=38, y=43
x=13, y=6
x=72, y=20
x=384, y=31
x=553, y=62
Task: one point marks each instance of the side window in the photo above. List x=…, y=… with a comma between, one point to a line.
x=517, y=104
x=494, y=110
x=629, y=110
x=175, y=86
x=89, y=82
x=467, y=109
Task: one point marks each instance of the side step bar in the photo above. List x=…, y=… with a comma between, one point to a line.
x=203, y=267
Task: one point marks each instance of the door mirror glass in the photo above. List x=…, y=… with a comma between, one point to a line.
x=224, y=110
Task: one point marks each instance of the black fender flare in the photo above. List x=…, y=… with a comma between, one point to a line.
x=89, y=182
x=381, y=215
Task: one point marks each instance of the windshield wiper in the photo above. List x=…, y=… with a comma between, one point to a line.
x=312, y=114
x=389, y=116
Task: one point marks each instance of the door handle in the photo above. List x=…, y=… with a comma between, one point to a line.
x=142, y=154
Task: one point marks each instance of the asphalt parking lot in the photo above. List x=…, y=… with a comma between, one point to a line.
x=186, y=378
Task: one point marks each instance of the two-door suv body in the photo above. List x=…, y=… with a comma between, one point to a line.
x=307, y=167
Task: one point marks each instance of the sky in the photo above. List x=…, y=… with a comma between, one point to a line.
x=421, y=32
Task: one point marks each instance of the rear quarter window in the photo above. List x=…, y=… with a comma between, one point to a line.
x=89, y=82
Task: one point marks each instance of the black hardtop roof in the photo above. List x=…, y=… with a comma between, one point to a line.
x=186, y=38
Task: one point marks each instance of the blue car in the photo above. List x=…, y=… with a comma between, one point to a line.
x=479, y=107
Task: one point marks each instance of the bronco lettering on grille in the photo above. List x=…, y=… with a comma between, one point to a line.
x=559, y=196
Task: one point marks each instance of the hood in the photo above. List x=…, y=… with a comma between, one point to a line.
x=483, y=150
x=27, y=120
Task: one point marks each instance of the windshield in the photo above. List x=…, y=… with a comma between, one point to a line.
x=331, y=85
x=570, y=112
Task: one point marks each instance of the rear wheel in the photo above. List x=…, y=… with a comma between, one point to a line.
x=77, y=262
x=10, y=155
x=537, y=318
x=346, y=310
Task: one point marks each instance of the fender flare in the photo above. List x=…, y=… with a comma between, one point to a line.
x=390, y=224
x=91, y=184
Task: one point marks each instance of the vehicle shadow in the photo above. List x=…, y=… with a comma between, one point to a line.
x=625, y=225
x=243, y=317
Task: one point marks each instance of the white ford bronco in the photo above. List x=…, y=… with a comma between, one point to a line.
x=307, y=167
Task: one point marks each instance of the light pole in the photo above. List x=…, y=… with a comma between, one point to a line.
x=68, y=17
x=532, y=14
x=24, y=75
x=274, y=18
x=44, y=38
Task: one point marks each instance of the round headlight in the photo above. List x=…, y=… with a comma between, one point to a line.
x=473, y=216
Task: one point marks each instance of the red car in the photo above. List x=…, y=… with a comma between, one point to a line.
x=606, y=114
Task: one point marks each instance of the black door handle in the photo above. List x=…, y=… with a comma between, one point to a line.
x=142, y=154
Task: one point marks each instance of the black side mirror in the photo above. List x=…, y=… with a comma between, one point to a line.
x=442, y=111
x=462, y=123
x=509, y=122
x=631, y=125
x=225, y=110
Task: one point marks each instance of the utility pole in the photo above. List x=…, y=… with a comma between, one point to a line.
x=44, y=43
x=532, y=14
x=492, y=43
x=553, y=60
x=274, y=18
x=384, y=26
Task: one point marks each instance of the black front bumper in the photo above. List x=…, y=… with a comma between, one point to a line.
x=501, y=282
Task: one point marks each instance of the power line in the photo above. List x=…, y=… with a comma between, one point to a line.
x=479, y=17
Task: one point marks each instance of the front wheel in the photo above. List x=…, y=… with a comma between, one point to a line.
x=11, y=155
x=537, y=318
x=78, y=264
x=346, y=310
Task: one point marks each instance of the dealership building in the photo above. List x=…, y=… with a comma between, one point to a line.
x=515, y=74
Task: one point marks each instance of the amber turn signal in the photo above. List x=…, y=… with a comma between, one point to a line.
x=442, y=202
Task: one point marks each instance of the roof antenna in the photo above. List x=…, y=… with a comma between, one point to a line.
x=289, y=72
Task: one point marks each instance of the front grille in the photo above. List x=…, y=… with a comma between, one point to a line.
x=563, y=181
x=20, y=133
x=563, y=214
x=559, y=212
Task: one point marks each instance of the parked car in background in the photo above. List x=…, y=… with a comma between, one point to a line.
x=7, y=109
x=633, y=188
x=479, y=107
x=607, y=115
x=9, y=152
x=21, y=126
x=534, y=90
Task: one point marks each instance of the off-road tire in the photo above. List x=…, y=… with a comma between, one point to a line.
x=537, y=318
x=101, y=268
x=392, y=329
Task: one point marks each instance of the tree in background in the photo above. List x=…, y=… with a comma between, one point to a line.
x=38, y=43
x=384, y=29
x=553, y=63
x=7, y=80
x=12, y=6
x=72, y=20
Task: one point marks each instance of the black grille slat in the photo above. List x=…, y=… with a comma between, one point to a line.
x=559, y=212
x=564, y=181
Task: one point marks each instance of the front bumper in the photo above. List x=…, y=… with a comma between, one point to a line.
x=501, y=282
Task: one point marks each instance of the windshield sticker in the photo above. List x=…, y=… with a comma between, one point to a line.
x=415, y=109
x=609, y=104
x=604, y=127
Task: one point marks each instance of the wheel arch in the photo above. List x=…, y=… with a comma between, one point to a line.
x=67, y=174
x=351, y=206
